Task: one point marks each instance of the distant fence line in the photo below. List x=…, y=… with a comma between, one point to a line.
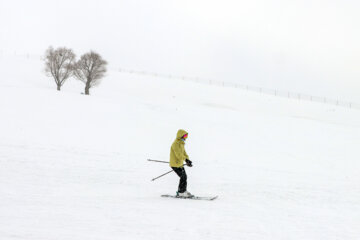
x=23, y=55
x=268, y=91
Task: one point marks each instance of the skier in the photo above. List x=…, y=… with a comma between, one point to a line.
x=177, y=157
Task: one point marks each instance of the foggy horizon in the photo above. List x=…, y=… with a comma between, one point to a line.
x=304, y=46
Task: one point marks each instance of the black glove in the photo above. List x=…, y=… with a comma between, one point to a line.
x=188, y=162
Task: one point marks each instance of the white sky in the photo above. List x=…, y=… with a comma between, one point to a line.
x=311, y=46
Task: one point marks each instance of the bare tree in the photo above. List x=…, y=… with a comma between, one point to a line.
x=90, y=69
x=59, y=64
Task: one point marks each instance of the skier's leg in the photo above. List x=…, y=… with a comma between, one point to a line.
x=178, y=172
x=183, y=179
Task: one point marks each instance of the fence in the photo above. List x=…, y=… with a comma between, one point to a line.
x=274, y=92
x=3, y=54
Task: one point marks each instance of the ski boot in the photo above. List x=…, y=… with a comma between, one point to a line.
x=185, y=194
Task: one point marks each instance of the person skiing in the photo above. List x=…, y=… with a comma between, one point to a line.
x=177, y=157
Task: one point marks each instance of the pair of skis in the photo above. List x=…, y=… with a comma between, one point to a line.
x=176, y=196
x=192, y=197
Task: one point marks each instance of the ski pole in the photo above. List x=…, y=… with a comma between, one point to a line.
x=152, y=160
x=164, y=174
x=161, y=175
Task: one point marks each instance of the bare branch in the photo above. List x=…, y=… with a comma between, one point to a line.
x=59, y=64
x=90, y=69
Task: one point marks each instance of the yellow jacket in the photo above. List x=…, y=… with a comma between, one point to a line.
x=177, y=151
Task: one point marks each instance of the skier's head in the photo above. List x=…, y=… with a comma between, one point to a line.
x=181, y=135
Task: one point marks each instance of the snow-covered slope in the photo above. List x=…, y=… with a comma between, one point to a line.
x=74, y=166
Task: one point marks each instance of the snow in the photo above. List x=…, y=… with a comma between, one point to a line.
x=74, y=166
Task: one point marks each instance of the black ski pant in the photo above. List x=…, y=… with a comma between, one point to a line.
x=183, y=178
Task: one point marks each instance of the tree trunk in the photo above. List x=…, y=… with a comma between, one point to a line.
x=87, y=89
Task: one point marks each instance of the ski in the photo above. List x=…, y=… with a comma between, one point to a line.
x=193, y=197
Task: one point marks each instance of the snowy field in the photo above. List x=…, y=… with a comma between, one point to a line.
x=74, y=167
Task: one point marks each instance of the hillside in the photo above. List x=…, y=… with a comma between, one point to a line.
x=74, y=166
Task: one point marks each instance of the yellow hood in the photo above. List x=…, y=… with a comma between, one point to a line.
x=180, y=133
